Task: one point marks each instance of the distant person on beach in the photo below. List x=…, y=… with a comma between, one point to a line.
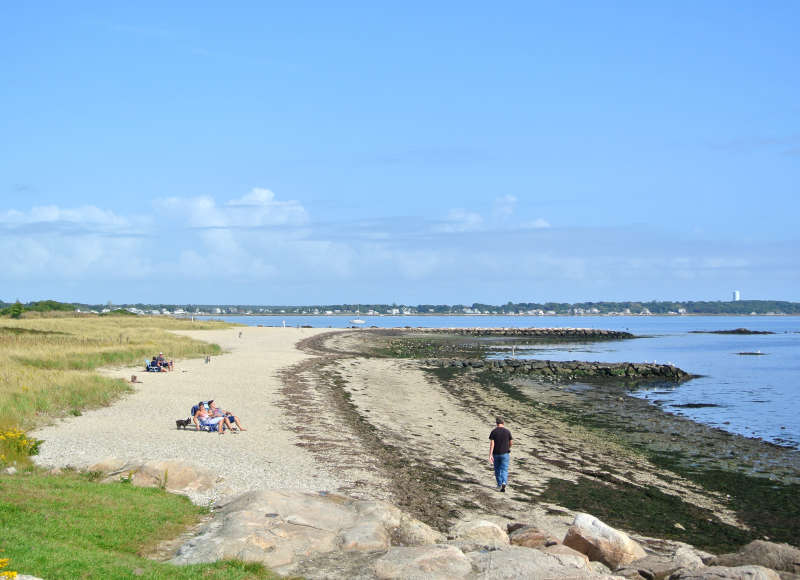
x=166, y=365
x=500, y=441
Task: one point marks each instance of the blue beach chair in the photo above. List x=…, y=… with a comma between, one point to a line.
x=209, y=428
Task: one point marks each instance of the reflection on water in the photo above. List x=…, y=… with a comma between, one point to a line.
x=756, y=396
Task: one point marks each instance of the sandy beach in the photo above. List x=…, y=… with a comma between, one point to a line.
x=141, y=426
x=323, y=415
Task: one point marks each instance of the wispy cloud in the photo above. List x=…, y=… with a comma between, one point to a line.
x=273, y=249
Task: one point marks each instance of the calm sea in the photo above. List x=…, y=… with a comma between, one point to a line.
x=752, y=395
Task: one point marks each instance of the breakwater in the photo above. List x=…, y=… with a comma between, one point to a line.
x=570, y=370
x=552, y=333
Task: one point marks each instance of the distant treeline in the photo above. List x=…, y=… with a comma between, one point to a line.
x=16, y=309
x=654, y=307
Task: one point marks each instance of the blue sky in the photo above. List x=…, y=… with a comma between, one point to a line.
x=399, y=152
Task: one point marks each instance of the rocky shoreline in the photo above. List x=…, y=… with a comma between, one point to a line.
x=571, y=370
x=745, y=331
x=546, y=333
x=395, y=482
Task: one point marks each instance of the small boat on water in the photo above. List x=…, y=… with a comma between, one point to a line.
x=357, y=319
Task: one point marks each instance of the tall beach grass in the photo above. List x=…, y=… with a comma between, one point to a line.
x=48, y=365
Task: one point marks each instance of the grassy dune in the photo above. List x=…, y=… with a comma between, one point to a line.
x=47, y=364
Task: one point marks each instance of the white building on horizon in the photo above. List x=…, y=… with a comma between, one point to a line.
x=737, y=296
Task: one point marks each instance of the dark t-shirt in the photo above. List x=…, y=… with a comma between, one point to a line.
x=502, y=440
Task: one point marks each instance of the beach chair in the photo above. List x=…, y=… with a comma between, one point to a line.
x=208, y=428
x=150, y=367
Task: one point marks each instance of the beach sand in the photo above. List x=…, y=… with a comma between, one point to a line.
x=141, y=426
x=323, y=415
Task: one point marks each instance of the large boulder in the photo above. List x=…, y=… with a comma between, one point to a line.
x=727, y=573
x=479, y=533
x=280, y=528
x=782, y=557
x=514, y=562
x=601, y=542
x=423, y=562
x=660, y=566
x=412, y=532
x=567, y=554
x=530, y=537
x=174, y=476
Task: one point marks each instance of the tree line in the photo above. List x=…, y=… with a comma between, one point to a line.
x=17, y=308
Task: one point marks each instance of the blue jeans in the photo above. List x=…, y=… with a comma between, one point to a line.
x=501, y=468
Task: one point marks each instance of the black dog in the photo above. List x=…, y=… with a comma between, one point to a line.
x=183, y=423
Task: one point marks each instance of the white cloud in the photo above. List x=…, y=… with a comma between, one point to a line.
x=90, y=217
x=504, y=207
x=501, y=218
x=50, y=242
x=271, y=248
x=259, y=208
x=536, y=224
x=460, y=220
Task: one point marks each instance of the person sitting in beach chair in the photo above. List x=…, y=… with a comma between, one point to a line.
x=205, y=422
x=151, y=366
x=166, y=365
x=215, y=411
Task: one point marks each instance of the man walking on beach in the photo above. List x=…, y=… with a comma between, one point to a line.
x=500, y=441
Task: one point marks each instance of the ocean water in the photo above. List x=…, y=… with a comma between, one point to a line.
x=752, y=395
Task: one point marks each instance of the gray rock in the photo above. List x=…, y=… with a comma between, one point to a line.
x=479, y=533
x=423, y=562
x=782, y=557
x=280, y=528
x=530, y=537
x=660, y=566
x=601, y=542
x=514, y=562
x=412, y=532
x=174, y=476
x=726, y=573
x=567, y=554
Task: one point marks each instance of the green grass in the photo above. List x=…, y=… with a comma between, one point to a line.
x=648, y=511
x=768, y=507
x=67, y=526
x=47, y=364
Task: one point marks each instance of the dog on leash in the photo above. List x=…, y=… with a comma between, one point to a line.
x=183, y=423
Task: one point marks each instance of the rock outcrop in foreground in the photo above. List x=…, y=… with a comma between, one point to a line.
x=328, y=535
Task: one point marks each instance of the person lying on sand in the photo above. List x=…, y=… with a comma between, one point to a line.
x=217, y=412
x=204, y=419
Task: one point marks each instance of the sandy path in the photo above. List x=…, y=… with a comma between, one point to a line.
x=244, y=380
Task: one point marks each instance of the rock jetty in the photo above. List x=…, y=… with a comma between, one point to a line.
x=552, y=333
x=733, y=331
x=571, y=370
